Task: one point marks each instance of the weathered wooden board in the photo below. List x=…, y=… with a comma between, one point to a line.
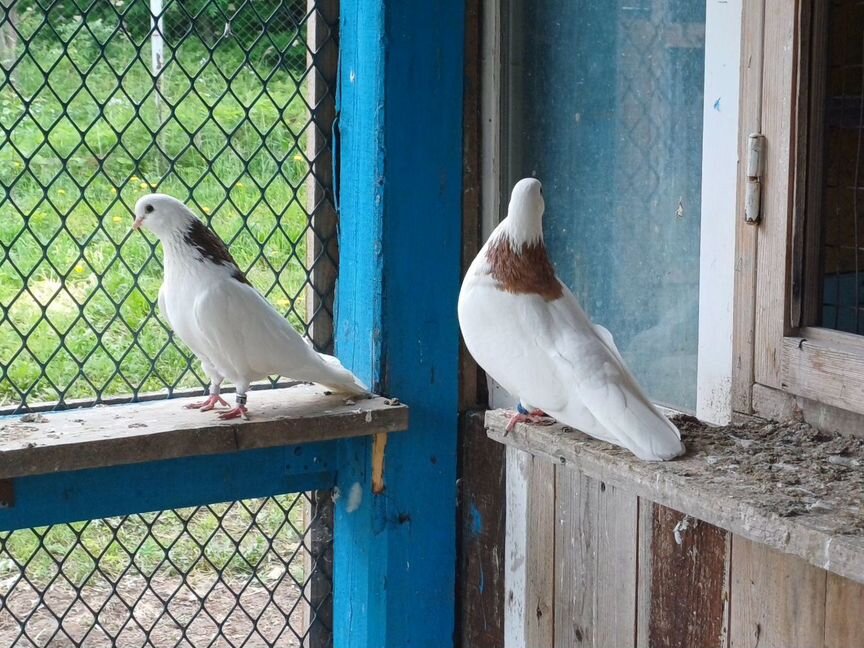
x=778, y=108
x=829, y=370
x=746, y=235
x=778, y=601
x=844, y=613
x=530, y=551
x=734, y=502
x=480, y=579
x=595, y=562
x=125, y=434
x=689, y=585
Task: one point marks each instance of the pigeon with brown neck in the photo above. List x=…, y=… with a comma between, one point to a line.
x=526, y=329
x=228, y=325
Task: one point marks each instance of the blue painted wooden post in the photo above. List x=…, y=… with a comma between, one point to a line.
x=400, y=109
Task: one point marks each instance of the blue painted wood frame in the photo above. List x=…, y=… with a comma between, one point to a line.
x=161, y=485
x=400, y=106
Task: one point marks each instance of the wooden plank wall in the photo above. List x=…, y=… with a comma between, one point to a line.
x=589, y=565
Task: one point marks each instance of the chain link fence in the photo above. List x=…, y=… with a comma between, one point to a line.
x=225, y=104
x=225, y=575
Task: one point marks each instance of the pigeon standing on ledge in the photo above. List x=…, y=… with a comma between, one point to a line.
x=229, y=325
x=527, y=331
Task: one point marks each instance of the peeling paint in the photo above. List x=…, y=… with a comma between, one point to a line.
x=355, y=497
x=476, y=520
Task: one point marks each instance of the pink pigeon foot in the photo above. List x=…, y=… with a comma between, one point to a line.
x=207, y=404
x=535, y=417
x=238, y=412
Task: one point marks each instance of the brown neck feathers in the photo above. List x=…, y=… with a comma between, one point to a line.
x=526, y=271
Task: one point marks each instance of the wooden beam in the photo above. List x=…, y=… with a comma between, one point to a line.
x=127, y=434
x=730, y=500
x=401, y=170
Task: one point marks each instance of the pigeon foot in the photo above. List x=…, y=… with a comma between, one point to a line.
x=238, y=412
x=535, y=417
x=208, y=404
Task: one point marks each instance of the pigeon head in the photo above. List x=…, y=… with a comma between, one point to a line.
x=516, y=255
x=524, y=222
x=162, y=215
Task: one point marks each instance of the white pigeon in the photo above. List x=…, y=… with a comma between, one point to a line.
x=527, y=331
x=229, y=325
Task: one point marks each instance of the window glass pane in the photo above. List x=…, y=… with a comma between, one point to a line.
x=604, y=104
x=841, y=69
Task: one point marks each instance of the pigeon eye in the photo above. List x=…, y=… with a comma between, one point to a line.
x=148, y=208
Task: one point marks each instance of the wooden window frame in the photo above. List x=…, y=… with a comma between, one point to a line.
x=781, y=362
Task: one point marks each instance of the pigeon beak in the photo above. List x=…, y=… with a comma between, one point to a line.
x=138, y=222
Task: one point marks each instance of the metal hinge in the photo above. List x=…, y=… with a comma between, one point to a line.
x=753, y=188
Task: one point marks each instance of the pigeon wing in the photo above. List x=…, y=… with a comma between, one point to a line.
x=248, y=339
x=588, y=356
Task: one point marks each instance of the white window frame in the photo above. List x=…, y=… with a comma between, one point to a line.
x=719, y=178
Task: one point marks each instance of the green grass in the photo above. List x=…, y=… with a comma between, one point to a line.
x=77, y=288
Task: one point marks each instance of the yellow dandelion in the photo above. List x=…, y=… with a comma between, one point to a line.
x=79, y=268
x=240, y=184
x=206, y=210
x=62, y=192
x=117, y=219
x=143, y=185
x=18, y=163
x=114, y=190
x=134, y=178
x=283, y=301
x=298, y=157
x=153, y=184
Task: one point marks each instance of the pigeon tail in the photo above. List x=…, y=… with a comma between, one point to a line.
x=339, y=379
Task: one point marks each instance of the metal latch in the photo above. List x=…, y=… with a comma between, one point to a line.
x=753, y=188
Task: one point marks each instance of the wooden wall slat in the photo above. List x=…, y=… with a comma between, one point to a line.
x=643, y=572
x=575, y=539
x=530, y=551
x=480, y=579
x=844, y=613
x=595, y=563
x=689, y=581
x=778, y=600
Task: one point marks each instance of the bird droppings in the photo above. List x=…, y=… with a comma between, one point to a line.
x=368, y=417
x=392, y=402
x=682, y=527
x=34, y=417
x=794, y=468
x=349, y=402
x=355, y=497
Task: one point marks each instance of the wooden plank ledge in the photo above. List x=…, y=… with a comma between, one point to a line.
x=124, y=434
x=698, y=486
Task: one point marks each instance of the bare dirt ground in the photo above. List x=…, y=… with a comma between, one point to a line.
x=170, y=612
